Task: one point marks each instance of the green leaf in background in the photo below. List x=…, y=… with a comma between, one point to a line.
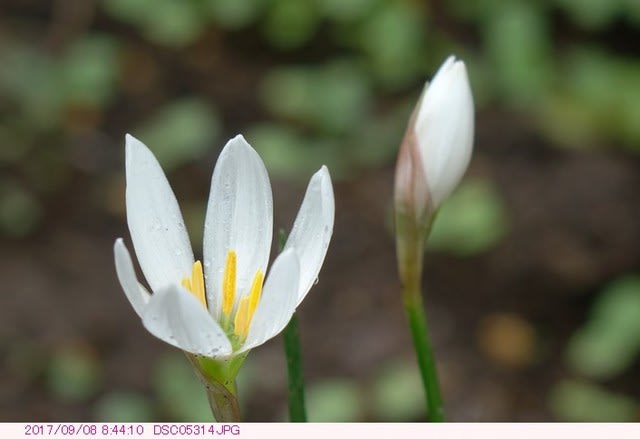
x=333, y=98
x=281, y=150
x=471, y=221
x=179, y=390
x=124, y=407
x=234, y=14
x=20, y=211
x=168, y=22
x=518, y=44
x=609, y=343
x=479, y=10
x=289, y=155
x=181, y=132
x=393, y=38
x=32, y=83
x=290, y=24
x=341, y=10
x=74, y=374
x=334, y=400
x=592, y=14
x=578, y=401
x=397, y=393
x=89, y=70
x=598, y=98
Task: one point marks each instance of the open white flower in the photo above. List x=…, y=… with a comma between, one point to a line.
x=437, y=147
x=219, y=308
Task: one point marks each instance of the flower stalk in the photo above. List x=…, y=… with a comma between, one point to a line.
x=410, y=249
x=218, y=378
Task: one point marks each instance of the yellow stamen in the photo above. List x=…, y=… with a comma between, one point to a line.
x=229, y=283
x=241, y=322
x=195, y=284
x=256, y=292
x=247, y=307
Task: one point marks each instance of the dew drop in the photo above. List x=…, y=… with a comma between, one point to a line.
x=315, y=282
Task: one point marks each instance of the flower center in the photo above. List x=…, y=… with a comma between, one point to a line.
x=239, y=314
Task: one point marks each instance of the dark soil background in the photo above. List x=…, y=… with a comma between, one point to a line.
x=500, y=320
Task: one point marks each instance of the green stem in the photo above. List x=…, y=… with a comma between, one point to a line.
x=410, y=238
x=419, y=333
x=297, y=410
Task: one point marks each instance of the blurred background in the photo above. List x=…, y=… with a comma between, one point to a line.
x=533, y=269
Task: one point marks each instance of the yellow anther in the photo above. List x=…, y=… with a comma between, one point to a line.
x=256, y=292
x=241, y=322
x=195, y=284
x=229, y=283
x=247, y=307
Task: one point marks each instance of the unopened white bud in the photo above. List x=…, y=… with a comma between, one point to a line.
x=437, y=147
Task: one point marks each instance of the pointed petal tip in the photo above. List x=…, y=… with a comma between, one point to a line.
x=238, y=141
x=324, y=172
x=131, y=141
x=133, y=146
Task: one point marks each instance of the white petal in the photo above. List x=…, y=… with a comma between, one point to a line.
x=239, y=218
x=176, y=317
x=278, y=301
x=155, y=222
x=444, y=129
x=312, y=229
x=136, y=293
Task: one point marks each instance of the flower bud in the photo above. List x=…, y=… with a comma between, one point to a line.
x=436, y=149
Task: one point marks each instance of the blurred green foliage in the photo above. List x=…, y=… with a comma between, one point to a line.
x=609, y=342
x=605, y=347
x=118, y=406
x=179, y=391
x=334, y=400
x=180, y=131
x=471, y=221
x=397, y=392
x=74, y=374
x=393, y=393
x=581, y=401
x=335, y=80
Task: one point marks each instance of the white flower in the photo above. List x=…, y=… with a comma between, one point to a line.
x=438, y=143
x=219, y=309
